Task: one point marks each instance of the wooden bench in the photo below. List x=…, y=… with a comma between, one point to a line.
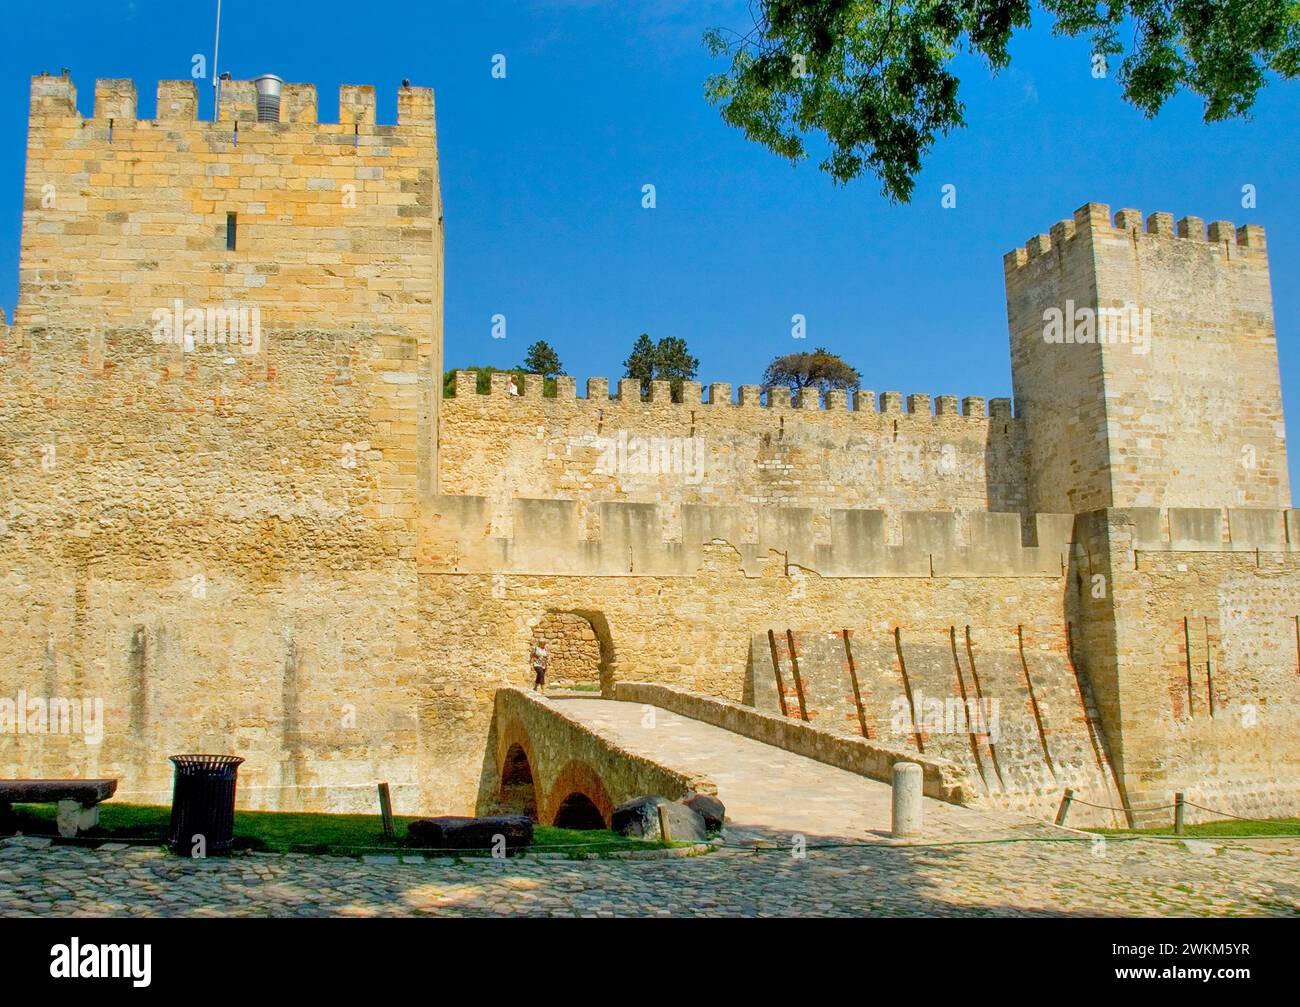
x=78, y=800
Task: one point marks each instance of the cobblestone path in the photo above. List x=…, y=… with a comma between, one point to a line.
x=1019, y=878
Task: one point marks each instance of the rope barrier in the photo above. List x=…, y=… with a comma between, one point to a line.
x=1166, y=807
x=1216, y=811
x=1108, y=807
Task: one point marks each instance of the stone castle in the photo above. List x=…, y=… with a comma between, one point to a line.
x=239, y=510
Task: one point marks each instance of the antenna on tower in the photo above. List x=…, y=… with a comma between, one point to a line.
x=216, y=78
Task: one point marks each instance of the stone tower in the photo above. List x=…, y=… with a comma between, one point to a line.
x=1144, y=364
x=1145, y=371
x=329, y=229
x=224, y=380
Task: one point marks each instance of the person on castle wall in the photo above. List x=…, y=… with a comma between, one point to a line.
x=541, y=661
x=514, y=388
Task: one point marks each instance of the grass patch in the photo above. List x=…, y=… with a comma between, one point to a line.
x=596, y=841
x=1210, y=830
x=301, y=832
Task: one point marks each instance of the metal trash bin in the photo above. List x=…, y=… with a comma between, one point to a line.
x=203, y=802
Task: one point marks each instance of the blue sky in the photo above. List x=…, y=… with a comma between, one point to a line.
x=542, y=175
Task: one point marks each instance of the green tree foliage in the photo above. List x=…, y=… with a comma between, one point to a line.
x=668, y=360
x=819, y=369
x=542, y=359
x=674, y=363
x=875, y=76
x=641, y=363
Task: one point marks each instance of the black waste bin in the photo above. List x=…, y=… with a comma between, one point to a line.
x=203, y=802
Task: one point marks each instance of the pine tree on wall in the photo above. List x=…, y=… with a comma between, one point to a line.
x=542, y=359
x=674, y=363
x=641, y=364
x=668, y=360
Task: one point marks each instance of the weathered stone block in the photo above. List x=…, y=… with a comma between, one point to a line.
x=454, y=832
x=640, y=818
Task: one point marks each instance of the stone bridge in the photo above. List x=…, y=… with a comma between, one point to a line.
x=545, y=760
x=570, y=760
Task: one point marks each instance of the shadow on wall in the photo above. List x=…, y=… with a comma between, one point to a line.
x=1092, y=648
x=1004, y=468
x=1007, y=705
x=747, y=692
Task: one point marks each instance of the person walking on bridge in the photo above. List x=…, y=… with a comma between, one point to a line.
x=541, y=661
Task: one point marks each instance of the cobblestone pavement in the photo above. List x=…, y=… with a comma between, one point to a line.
x=1020, y=878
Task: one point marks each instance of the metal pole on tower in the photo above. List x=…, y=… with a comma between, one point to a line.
x=216, y=76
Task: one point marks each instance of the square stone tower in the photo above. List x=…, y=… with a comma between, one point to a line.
x=1144, y=363
x=219, y=407
x=330, y=232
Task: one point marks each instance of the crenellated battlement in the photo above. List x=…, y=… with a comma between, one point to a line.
x=117, y=101
x=323, y=225
x=1097, y=218
x=713, y=447
x=626, y=393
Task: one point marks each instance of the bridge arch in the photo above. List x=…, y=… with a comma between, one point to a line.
x=578, y=795
x=578, y=812
x=517, y=791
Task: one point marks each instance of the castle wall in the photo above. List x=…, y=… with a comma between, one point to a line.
x=338, y=232
x=1058, y=389
x=858, y=543
x=290, y=546
x=1074, y=662
x=1196, y=421
x=339, y=224
x=223, y=554
x=748, y=454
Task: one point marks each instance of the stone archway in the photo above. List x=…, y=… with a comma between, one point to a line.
x=577, y=655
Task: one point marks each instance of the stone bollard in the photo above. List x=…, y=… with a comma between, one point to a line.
x=907, y=800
